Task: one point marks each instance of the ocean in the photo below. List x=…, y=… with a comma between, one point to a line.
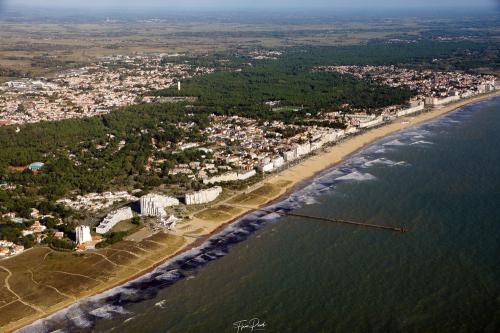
x=439, y=180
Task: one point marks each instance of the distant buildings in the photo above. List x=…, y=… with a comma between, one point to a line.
x=424, y=82
x=155, y=204
x=113, y=219
x=83, y=234
x=96, y=89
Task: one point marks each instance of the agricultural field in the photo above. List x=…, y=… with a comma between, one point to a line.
x=34, y=48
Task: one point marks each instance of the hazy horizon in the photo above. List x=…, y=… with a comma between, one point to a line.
x=246, y=4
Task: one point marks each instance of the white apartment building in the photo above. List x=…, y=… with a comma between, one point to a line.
x=203, y=196
x=113, y=219
x=83, y=234
x=414, y=108
x=154, y=204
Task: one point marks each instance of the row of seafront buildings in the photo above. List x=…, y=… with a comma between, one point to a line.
x=279, y=160
x=368, y=121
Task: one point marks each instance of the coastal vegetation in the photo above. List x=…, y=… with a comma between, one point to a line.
x=85, y=155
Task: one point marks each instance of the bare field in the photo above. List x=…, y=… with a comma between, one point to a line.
x=40, y=280
x=15, y=311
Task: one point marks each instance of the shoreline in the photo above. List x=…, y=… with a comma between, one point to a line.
x=296, y=176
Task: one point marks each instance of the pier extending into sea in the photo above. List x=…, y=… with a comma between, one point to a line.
x=331, y=220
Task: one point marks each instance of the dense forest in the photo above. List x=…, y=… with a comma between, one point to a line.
x=246, y=92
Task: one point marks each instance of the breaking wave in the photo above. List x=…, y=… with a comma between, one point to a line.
x=383, y=161
x=422, y=142
x=395, y=142
x=357, y=176
x=107, y=310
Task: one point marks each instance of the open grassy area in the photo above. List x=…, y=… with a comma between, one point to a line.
x=283, y=183
x=218, y=213
x=15, y=311
x=258, y=196
x=124, y=226
x=41, y=279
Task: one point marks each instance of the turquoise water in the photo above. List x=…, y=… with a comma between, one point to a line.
x=440, y=180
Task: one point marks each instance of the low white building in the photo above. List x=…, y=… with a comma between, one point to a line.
x=411, y=110
x=246, y=175
x=83, y=234
x=169, y=222
x=303, y=149
x=266, y=167
x=278, y=162
x=224, y=178
x=486, y=87
x=203, y=196
x=113, y=219
x=372, y=122
x=467, y=94
x=351, y=130
x=154, y=204
x=36, y=228
x=316, y=145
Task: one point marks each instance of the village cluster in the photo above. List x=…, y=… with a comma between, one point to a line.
x=112, y=82
x=9, y=249
x=427, y=83
x=241, y=148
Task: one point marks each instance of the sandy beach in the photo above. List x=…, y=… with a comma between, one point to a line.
x=212, y=220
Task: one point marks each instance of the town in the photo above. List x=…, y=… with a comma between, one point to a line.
x=231, y=149
x=112, y=82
